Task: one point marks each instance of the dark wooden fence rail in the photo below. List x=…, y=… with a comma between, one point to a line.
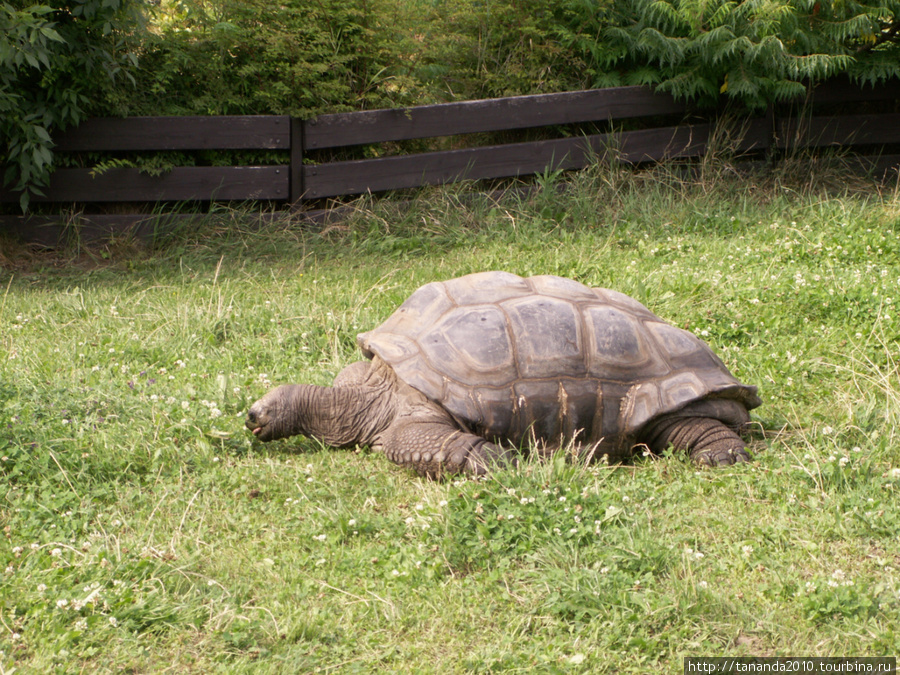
x=295, y=182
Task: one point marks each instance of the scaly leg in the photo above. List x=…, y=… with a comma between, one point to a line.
x=436, y=449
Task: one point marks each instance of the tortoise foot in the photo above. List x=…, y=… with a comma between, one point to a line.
x=721, y=456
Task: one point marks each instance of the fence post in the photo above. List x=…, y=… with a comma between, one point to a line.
x=297, y=142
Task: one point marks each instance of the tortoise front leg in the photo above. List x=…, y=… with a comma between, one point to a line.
x=436, y=449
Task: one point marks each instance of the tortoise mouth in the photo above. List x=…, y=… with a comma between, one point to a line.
x=253, y=425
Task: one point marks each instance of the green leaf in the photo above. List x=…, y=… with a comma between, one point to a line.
x=51, y=34
x=42, y=133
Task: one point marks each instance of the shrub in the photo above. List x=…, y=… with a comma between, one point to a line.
x=754, y=52
x=297, y=57
x=55, y=59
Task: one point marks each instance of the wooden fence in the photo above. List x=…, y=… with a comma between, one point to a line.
x=665, y=136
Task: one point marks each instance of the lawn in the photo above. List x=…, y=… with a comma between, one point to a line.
x=146, y=531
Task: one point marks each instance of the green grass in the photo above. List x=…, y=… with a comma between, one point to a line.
x=146, y=532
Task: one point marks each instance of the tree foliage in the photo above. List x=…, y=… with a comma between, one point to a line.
x=754, y=51
x=472, y=49
x=298, y=57
x=56, y=60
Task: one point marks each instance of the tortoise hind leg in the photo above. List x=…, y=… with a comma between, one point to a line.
x=708, y=441
x=436, y=449
x=705, y=429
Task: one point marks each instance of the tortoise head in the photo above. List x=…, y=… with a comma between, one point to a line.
x=274, y=416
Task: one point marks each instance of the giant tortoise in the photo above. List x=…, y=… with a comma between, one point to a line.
x=469, y=371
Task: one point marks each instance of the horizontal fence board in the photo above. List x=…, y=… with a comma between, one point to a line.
x=842, y=90
x=179, y=184
x=227, y=132
x=516, y=159
x=517, y=112
x=849, y=130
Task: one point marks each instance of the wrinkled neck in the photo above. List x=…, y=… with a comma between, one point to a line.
x=338, y=416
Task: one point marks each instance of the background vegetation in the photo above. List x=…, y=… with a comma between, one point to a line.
x=67, y=59
x=145, y=530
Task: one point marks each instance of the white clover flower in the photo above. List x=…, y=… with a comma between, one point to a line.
x=895, y=473
x=702, y=584
x=747, y=549
x=442, y=503
x=17, y=551
x=62, y=603
x=113, y=621
x=838, y=574
x=395, y=573
x=320, y=537
x=844, y=461
x=56, y=552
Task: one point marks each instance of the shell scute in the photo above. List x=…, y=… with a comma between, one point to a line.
x=547, y=337
x=471, y=345
x=472, y=289
x=618, y=344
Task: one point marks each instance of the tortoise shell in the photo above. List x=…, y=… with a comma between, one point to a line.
x=520, y=359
